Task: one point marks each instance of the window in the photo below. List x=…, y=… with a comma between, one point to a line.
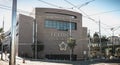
x=60, y=25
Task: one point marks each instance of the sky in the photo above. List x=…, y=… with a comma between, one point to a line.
x=105, y=11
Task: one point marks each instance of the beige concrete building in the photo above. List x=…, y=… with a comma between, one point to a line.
x=54, y=27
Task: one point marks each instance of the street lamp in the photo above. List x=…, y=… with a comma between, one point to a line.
x=71, y=41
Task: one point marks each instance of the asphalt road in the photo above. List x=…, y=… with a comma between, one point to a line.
x=19, y=61
x=57, y=62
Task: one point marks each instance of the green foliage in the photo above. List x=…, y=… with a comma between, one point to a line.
x=40, y=48
x=1, y=30
x=104, y=41
x=71, y=43
x=1, y=34
x=95, y=37
x=95, y=34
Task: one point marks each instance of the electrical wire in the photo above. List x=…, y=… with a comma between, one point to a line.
x=4, y=8
x=105, y=12
x=54, y=5
x=85, y=4
x=81, y=11
x=85, y=15
x=10, y=8
x=50, y=3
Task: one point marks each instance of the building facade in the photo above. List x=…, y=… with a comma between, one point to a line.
x=53, y=28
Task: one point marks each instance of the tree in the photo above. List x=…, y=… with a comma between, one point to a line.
x=1, y=34
x=40, y=47
x=1, y=44
x=104, y=41
x=96, y=38
x=71, y=44
x=95, y=49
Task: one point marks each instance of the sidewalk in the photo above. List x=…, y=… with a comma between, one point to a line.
x=19, y=61
x=32, y=63
x=4, y=62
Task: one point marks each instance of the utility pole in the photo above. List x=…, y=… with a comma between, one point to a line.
x=36, y=39
x=100, y=45
x=112, y=29
x=13, y=29
x=89, y=43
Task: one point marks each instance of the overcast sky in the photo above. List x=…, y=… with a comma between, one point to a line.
x=107, y=11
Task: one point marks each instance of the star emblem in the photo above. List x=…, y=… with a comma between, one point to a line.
x=63, y=46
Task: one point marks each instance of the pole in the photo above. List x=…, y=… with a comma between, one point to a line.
x=100, y=38
x=112, y=42
x=89, y=43
x=70, y=27
x=70, y=37
x=35, y=38
x=13, y=23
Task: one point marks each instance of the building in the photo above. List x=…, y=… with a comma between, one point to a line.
x=113, y=46
x=6, y=41
x=114, y=39
x=54, y=27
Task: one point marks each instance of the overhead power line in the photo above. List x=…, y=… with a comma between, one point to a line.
x=85, y=15
x=50, y=3
x=10, y=8
x=79, y=6
x=53, y=4
x=81, y=11
x=100, y=13
x=4, y=8
x=86, y=3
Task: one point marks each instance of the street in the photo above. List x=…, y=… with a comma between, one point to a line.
x=21, y=61
x=56, y=62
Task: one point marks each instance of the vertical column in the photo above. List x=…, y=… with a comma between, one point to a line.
x=100, y=38
x=35, y=38
x=13, y=23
